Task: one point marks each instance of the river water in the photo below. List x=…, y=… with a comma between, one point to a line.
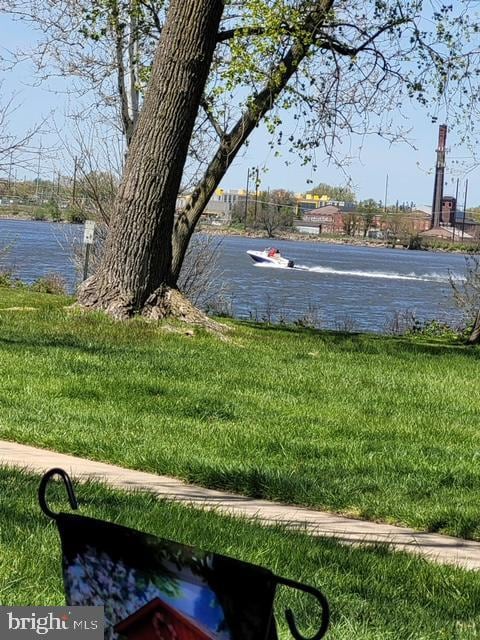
x=346, y=287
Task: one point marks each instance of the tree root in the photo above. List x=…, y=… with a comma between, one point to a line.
x=165, y=303
x=168, y=303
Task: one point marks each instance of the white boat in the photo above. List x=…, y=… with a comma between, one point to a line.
x=271, y=256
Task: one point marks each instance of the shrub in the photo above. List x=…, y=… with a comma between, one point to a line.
x=6, y=279
x=54, y=211
x=401, y=322
x=415, y=242
x=39, y=214
x=220, y=306
x=311, y=319
x=76, y=216
x=405, y=323
x=50, y=283
x=466, y=294
x=435, y=329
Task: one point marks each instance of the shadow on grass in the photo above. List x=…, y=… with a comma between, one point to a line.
x=96, y=337
x=370, y=342
x=65, y=342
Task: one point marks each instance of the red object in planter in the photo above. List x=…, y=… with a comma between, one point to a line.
x=157, y=620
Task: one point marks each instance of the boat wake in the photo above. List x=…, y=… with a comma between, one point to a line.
x=270, y=265
x=385, y=275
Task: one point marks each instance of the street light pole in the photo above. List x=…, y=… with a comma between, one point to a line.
x=464, y=208
x=455, y=212
x=256, y=199
x=74, y=189
x=386, y=191
x=246, y=200
x=38, y=170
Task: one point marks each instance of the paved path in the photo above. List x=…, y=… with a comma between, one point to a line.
x=442, y=549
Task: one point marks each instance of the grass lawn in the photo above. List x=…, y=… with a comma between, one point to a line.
x=374, y=427
x=374, y=594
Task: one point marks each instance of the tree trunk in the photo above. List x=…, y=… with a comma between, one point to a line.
x=474, y=337
x=135, y=272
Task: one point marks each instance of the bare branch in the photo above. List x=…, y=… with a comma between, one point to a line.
x=206, y=106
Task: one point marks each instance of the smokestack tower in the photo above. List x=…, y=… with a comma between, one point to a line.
x=439, y=177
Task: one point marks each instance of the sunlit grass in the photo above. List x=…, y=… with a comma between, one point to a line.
x=375, y=427
x=374, y=594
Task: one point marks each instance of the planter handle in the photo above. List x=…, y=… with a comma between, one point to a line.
x=42, y=491
x=321, y=599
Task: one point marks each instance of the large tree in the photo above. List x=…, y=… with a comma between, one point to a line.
x=136, y=270
x=339, y=66
x=274, y=210
x=342, y=194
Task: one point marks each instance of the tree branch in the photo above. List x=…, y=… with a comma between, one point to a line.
x=156, y=20
x=122, y=91
x=242, y=31
x=213, y=121
x=133, y=57
x=345, y=50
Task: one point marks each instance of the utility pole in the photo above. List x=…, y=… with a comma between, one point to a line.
x=74, y=188
x=10, y=172
x=246, y=200
x=455, y=211
x=464, y=208
x=38, y=170
x=386, y=192
x=256, y=198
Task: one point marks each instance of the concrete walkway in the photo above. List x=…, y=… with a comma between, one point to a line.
x=438, y=548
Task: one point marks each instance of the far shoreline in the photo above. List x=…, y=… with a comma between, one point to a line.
x=283, y=236
x=340, y=240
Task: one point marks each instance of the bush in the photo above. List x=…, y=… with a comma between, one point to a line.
x=405, y=323
x=401, y=322
x=7, y=279
x=466, y=294
x=39, y=214
x=76, y=216
x=50, y=283
x=415, y=242
x=53, y=211
x=435, y=329
x=444, y=245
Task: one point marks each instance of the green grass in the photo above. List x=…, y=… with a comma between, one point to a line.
x=374, y=594
x=374, y=427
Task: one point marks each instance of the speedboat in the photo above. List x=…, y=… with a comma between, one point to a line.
x=271, y=256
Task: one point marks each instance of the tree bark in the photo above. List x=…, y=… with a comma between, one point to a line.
x=474, y=337
x=135, y=271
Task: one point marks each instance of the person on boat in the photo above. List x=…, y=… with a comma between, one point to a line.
x=273, y=253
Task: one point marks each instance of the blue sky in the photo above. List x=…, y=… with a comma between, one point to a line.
x=409, y=171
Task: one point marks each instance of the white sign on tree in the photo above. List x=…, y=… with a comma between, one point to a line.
x=88, y=231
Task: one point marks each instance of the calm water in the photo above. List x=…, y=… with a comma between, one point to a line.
x=357, y=286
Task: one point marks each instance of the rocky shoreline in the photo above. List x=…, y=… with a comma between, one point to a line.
x=296, y=237
x=284, y=236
